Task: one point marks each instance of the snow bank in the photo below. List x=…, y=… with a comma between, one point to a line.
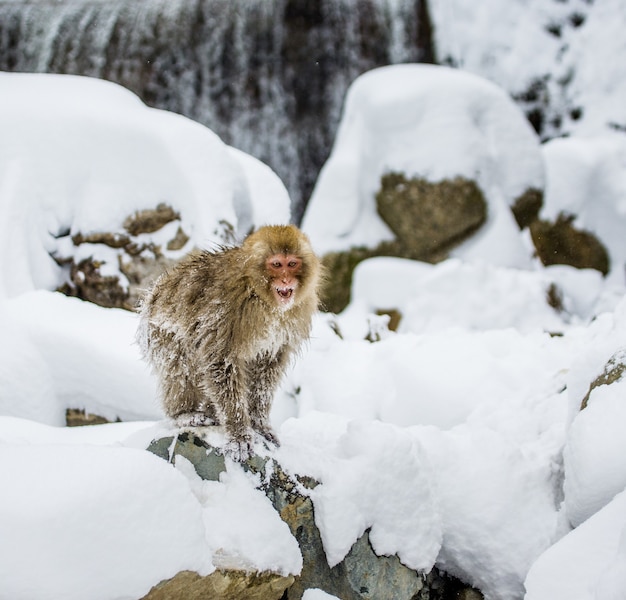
x=587, y=564
x=599, y=92
x=438, y=378
x=89, y=501
x=556, y=56
x=478, y=501
x=431, y=122
x=428, y=296
x=72, y=354
x=315, y=594
x=76, y=516
x=80, y=155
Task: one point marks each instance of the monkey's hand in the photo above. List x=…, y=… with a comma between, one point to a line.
x=239, y=450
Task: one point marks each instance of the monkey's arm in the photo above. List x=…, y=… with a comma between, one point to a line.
x=265, y=373
x=228, y=397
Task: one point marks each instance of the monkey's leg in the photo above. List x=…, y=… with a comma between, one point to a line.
x=265, y=375
x=181, y=397
x=226, y=390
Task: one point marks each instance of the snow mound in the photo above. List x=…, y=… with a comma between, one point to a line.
x=430, y=299
x=72, y=354
x=73, y=513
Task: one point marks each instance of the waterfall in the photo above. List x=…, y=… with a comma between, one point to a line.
x=268, y=76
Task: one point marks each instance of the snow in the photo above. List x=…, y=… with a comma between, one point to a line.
x=587, y=564
x=594, y=468
x=457, y=441
x=315, y=594
x=92, y=511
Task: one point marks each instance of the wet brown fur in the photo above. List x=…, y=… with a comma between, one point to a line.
x=217, y=338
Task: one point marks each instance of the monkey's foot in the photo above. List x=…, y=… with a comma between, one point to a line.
x=239, y=450
x=193, y=419
x=269, y=438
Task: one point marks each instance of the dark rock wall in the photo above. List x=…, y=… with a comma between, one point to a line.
x=268, y=76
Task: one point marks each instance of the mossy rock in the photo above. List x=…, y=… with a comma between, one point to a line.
x=560, y=243
x=527, y=206
x=335, y=294
x=428, y=220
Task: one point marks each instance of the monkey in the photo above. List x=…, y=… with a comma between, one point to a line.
x=220, y=328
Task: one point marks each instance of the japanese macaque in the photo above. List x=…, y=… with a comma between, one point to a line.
x=220, y=328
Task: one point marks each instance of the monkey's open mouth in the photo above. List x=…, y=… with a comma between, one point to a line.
x=284, y=293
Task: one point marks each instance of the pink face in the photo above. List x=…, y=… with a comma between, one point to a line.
x=283, y=271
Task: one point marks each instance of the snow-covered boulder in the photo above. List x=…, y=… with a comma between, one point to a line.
x=366, y=565
x=586, y=180
x=427, y=122
x=80, y=155
x=427, y=161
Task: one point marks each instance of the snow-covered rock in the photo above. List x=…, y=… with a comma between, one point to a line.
x=80, y=155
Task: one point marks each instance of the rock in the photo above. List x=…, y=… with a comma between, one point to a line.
x=132, y=267
x=362, y=575
x=179, y=241
x=428, y=219
x=150, y=220
x=221, y=585
x=77, y=417
x=395, y=316
x=613, y=371
x=88, y=283
x=206, y=461
x=112, y=240
x=560, y=243
x=141, y=271
x=335, y=294
x=527, y=206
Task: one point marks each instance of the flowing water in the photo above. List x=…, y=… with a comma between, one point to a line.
x=268, y=76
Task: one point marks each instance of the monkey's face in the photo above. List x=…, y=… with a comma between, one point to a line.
x=283, y=271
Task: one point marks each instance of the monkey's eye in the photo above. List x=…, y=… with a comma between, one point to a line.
x=292, y=263
x=276, y=264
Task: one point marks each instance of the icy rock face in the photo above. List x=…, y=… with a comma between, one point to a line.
x=362, y=575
